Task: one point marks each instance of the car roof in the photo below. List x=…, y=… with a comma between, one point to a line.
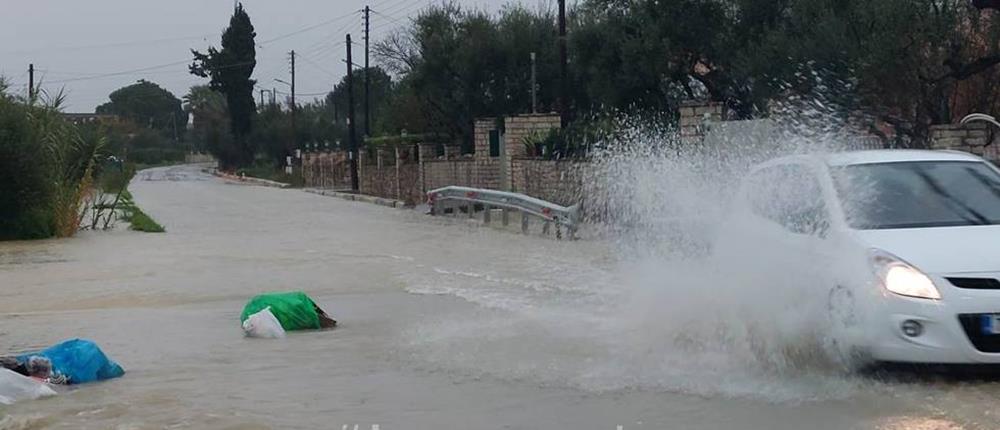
x=849, y=158
x=895, y=156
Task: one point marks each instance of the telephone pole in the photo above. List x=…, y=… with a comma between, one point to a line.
x=534, y=86
x=563, y=74
x=352, y=133
x=31, y=82
x=294, y=144
x=368, y=78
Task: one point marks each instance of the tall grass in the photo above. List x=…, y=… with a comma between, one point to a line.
x=46, y=168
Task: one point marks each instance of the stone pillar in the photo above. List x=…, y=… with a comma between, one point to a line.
x=362, y=153
x=695, y=116
x=452, y=151
x=398, y=162
x=481, y=133
x=424, y=154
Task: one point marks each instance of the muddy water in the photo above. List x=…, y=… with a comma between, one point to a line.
x=444, y=325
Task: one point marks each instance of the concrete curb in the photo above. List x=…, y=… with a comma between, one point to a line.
x=248, y=179
x=390, y=203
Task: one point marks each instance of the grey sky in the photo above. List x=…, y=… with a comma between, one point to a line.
x=71, y=41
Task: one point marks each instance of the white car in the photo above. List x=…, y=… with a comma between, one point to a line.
x=903, y=245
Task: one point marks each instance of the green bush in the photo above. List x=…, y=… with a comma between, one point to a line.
x=25, y=190
x=46, y=169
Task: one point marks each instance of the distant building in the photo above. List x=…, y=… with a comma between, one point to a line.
x=87, y=118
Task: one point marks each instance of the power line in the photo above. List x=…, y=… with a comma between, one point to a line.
x=145, y=69
x=311, y=27
x=297, y=95
x=317, y=66
x=124, y=72
x=391, y=19
x=110, y=45
x=382, y=3
x=398, y=6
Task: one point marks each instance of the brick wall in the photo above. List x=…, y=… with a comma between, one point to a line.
x=694, y=116
x=442, y=173
x=406, y=174
x=517, y=128
x=557, y=181
x=391, y=172
x=974, y=138
x=326, y=170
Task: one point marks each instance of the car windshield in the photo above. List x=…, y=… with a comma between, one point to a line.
x=919, y=194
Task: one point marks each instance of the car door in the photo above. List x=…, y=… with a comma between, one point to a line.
x=787, y=227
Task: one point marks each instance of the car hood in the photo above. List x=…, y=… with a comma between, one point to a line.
x=941, y=250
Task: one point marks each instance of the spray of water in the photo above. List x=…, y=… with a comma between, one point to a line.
x=673, y=311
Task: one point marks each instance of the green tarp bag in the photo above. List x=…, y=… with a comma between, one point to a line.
x=295, y=310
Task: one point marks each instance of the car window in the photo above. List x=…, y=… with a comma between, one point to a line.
x=790, y=196
x=919, y=194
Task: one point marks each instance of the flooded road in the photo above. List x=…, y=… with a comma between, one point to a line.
x=444, y=325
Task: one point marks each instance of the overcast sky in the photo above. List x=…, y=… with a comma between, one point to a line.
x=74, y=44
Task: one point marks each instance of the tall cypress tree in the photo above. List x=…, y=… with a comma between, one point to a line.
x=230, y=69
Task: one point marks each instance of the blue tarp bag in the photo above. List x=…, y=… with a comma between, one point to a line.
x=81, y=360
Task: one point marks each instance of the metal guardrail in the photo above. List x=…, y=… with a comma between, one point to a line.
x=455, y=198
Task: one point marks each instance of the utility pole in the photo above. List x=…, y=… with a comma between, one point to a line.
x=294, y=109
x=274, y=96
x=534, y=86
x=368, y=110
x=563, y=74
x=262, y=99
x=31, y=82
x=352, y=133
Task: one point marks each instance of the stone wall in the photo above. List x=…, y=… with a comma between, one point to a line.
x=330, y=169
x=974, y=138
x=517, y=128
x=442, y=173
x=198, y=157
x=695, y=117
x=557, y=181
x=406, y=174
x=391, y=172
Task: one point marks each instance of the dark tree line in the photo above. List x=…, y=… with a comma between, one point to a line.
x=907, y=64
x=894, y=67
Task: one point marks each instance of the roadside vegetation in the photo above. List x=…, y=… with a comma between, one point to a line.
x=55, y=178
x=137, y=219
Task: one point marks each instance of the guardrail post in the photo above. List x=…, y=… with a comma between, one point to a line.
x=524, y=222
x=546, y=227
x=487, y=217
x=472, y=210
x=505, y=217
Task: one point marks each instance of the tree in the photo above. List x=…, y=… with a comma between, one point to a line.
x=210, y=129
x=986, y=4
x=461, y=64
x=381, y=94
x=230, y=69
x=149, y=105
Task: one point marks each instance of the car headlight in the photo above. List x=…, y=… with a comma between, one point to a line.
x=902, y=278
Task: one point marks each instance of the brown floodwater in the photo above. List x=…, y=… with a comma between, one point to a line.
x=444, y=325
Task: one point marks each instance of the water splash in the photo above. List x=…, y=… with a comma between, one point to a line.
x=671, y=312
